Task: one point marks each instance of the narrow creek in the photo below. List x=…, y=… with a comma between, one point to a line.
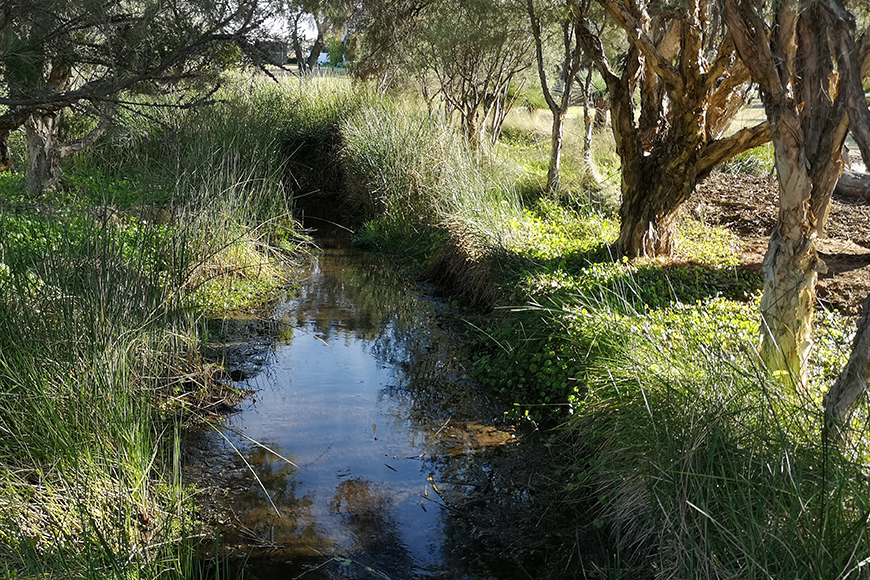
x=364, y=451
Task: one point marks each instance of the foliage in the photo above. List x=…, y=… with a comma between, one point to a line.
x=687, y=436
x=94, y=55
x=103, y=287
x=468, y=56
x=758, y=161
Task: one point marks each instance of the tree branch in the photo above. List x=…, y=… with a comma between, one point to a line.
x=721, y=150
x=751, y=39
x=665, y=70
x=592, y=45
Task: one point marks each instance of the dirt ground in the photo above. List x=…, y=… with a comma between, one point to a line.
x=747, y=205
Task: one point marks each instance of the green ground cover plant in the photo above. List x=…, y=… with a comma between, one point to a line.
x=680, y=455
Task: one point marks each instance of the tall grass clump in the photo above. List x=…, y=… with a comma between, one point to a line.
x=94, y=338
x=178, y=215
x=424, y=193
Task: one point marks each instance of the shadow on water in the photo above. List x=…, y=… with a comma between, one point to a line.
x=365, y=451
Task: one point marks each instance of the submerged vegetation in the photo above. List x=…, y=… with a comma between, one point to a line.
x=679, y=457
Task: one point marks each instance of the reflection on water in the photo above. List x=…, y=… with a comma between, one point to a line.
x=364, y=444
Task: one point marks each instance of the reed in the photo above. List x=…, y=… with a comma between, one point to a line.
x=104, y=287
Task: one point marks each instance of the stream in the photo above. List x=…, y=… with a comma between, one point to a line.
x=364, y=451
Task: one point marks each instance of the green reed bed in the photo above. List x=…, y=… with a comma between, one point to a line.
x=175, y=216
x=90, y=334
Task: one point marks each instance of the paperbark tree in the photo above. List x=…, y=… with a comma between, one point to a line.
x=60, y=54
x=473, y=57
x=805, y=62
x=840, y=401
x=465, y=54
x=571, y=58
x=691, y=86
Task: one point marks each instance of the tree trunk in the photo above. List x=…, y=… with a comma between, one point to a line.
x=316, y=48
x=587, y=128
x=791, y=264
x=301, y=59
x=554, y=169
x=793, y=60
x=651, y=198
x=852, y=382
x=5, y=153
x=602, y=106
x=853, y=185
x=44, y=152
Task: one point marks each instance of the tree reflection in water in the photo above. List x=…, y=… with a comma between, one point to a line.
x=403, y=472
x=365, y=509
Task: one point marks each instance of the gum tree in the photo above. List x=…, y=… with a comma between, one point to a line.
x=691, y=87
x=804, y=58
x=93, y=55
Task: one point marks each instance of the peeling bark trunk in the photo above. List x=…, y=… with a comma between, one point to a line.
x=852, y=382
x=790, y=275
x=793, y=60
x=650, y=202
x=44, y=152
x=791, y=264
x=668, y=147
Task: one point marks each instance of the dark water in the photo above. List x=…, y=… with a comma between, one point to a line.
x=374, y=455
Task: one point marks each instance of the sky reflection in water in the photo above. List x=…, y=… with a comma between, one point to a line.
x=362, y=392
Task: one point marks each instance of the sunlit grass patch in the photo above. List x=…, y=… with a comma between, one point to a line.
x=551, y=231
x=757, y=161
x=686, y=431
x=711, y=246
x=236, y=278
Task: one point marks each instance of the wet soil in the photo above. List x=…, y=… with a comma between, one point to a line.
x=747, y=205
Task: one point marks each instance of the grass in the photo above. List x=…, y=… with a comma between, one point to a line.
x=91, y=334
x=680, y=457
x=105, y=288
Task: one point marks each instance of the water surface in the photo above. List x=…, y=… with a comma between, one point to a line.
x=370, y=445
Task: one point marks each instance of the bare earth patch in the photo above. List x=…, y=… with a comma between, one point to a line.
x=747, y=205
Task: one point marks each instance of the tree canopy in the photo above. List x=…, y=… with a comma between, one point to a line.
x=92, y=54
